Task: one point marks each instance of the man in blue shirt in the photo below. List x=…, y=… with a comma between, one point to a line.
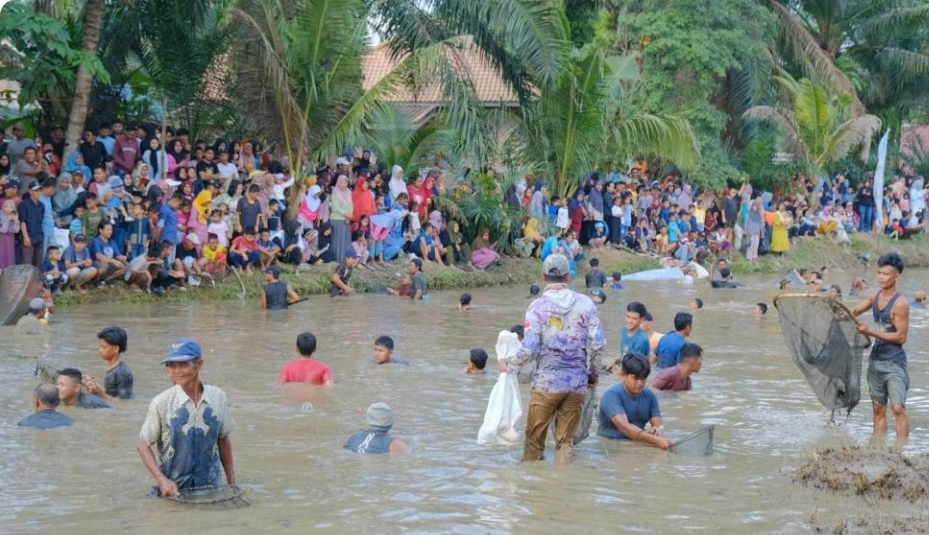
x=668, y=350
x=167, y=230
x=45, y=400
x=634, y=339
x=627, y=407
x=110, y=263
x=48, y=218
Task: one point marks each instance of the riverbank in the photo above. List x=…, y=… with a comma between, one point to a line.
x=810, y=253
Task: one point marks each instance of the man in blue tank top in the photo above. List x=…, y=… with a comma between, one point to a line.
x=888, y=380
x=375, y=439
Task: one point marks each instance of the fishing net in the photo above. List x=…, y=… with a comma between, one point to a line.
x=221, y=496
x=823, y=340
x=696, y=444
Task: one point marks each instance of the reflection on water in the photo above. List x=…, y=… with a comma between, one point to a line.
x=288, y=444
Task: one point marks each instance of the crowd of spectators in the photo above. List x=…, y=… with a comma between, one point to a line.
x=162, y=213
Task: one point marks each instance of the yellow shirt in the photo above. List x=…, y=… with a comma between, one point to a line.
x=700, y=215
x=203, y=203
x=209, y=253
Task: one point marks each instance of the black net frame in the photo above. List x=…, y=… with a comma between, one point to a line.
x=822, y=336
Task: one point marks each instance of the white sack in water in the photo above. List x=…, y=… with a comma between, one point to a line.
x=504, y=407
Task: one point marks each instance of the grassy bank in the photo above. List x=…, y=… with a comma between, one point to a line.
x=315, y=280
x=811, y=253
x=806, y=254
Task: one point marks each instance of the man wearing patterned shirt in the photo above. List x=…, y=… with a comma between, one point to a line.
x=564, y=335
x=184, y=441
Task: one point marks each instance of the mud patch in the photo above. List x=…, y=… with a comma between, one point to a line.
x=869, y=473
x=871, y=525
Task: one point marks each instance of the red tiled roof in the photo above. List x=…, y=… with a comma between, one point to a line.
x=468, y=62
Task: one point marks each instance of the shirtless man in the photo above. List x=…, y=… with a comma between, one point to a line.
x=888, y=380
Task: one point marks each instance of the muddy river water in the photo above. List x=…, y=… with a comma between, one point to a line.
x=288, y=445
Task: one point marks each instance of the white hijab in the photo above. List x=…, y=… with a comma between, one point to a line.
x=396, y=184
x=312, y=197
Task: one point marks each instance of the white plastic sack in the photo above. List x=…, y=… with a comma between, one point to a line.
x=61, y=238
x=504, y=407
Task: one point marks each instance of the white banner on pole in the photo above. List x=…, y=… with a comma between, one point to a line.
x=879, y=182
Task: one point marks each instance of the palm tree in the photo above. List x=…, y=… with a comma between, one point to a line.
x=586, y=115
x=83, y=82
x=818, y=129
x=835, y=42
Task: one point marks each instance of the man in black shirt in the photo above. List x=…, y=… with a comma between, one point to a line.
x=276, y=294
x=31, y=214
x=92, y=149
x=342, y=275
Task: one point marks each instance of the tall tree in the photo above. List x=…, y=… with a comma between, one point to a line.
x=83, y=82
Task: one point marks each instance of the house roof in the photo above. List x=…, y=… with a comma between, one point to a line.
x=468, y=61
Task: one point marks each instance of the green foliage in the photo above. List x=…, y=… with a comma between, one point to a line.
x=816, y=128
x=43, y=53
x=688, y=50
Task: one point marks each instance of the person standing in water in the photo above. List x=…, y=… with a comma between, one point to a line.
x=184, y=442
x=564, y=335
x=888, y=379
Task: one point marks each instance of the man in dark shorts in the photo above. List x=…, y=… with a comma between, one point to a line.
x=888, y=379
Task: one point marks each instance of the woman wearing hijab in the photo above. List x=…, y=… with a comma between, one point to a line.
x=362, y=200
x=537, y=203
x=387, y=230
x=340, y=212
x=153, y=157
x=458, y=251
x=6, y=167
x=754, y=226
x=483, y=253
x=324, y=243
x=396, y=185
x=64, y=198
x=75, y=161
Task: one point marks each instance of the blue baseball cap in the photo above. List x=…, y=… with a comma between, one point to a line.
x=183, y=350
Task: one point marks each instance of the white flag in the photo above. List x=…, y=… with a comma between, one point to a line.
x=879, y=182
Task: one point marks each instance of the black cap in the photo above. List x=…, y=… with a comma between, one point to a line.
x=80, y=238
x=274, y=271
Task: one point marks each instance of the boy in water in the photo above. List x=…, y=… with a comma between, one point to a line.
x=595, y=278
x=384, y=352
x=888, y=379
x=343, y=273
x=477, y=360
x=627, y=407
x=306, y=369
x=405, y=288
x=464, y=303
x=677, y=378
x=697, y=304
x=616, y=284
x=119, y=380
x=760, y=309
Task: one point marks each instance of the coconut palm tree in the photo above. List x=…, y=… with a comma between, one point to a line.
x=834, y=42
x=586, y=115
x=816, y=127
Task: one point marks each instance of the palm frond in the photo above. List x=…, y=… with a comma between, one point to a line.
x=852, y=134
x=816, y=62
x=791, y=139
x=669, y=137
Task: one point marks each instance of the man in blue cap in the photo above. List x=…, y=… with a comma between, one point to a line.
x=184, y=442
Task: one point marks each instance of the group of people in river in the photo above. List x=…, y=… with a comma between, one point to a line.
x=185, y=438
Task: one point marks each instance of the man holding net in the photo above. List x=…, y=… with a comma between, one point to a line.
x=888, y=380
x=184, y=442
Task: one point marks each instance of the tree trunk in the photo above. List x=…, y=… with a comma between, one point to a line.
x=83, y=84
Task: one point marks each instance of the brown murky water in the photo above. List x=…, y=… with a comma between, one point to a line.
x=288, y=454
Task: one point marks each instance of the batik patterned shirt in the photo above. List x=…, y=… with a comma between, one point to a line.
x=563, y=333
x=184, y=435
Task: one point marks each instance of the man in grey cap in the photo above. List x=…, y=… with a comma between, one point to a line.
x=34, y=320
x=184, y=442
x=17, y=146
x=562, y=332
x=375, y=439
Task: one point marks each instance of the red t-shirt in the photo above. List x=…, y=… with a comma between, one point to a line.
x=305, y=371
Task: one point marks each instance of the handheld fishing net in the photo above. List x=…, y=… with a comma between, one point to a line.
x=221, y=497
x=696, y=444
x=823, y=340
